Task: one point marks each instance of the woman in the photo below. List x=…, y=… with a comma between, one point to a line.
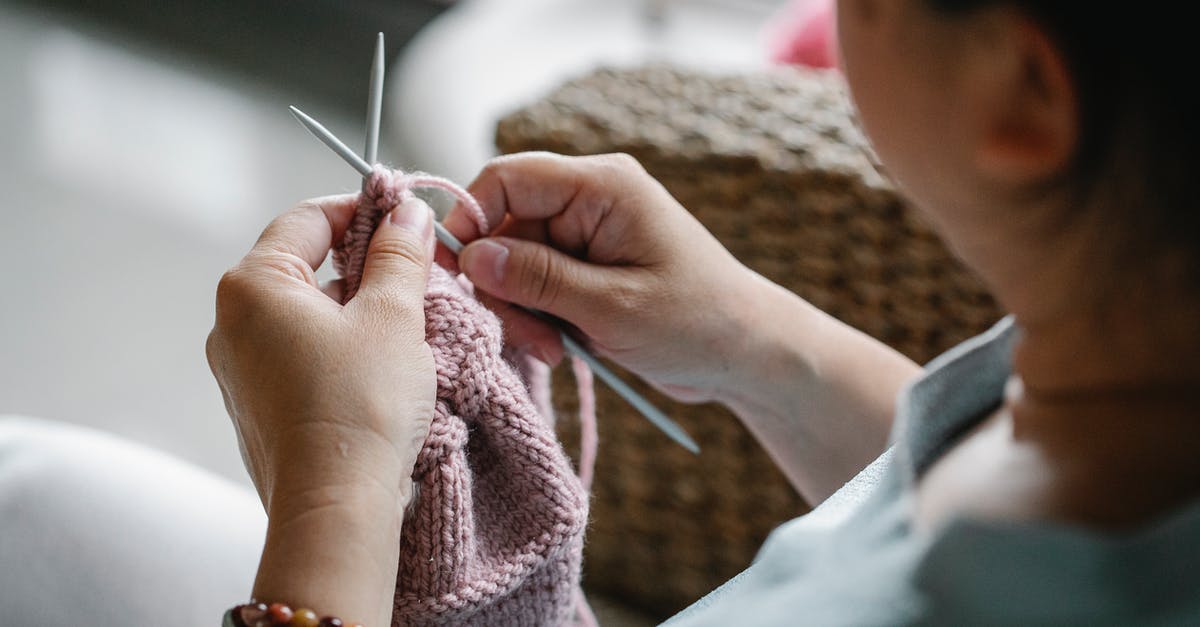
x=1041, y=473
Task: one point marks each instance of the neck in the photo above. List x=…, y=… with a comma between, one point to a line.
x=1130, y=339
x=1091, y=325
x=1108, y=358
x=1110, y=390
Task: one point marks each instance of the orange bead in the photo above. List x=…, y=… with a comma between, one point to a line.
x=280, y=614
x=304, y=618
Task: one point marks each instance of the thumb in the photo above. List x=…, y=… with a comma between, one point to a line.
x=396, y=268
x=537, y=276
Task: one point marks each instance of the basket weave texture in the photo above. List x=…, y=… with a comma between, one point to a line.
x=775, y=166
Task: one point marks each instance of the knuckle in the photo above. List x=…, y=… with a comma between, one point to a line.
x=287, y=264
x=233, y=287
x=622, y=162
x=527, y=156
x=541, y=285
x=496, y=166
x=308, y=205
x=216, y=352
x=238, y=303
x=396, y=249
x=211, y=351
x=545, y=157
x=505, y=167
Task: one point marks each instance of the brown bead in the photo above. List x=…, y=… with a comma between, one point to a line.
x=252, y=613
x=330, y=621
x=280, y=614
x=304, y=618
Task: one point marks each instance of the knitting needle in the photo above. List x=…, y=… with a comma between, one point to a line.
x=374, y=103
x=374, y=106
x=647, y=409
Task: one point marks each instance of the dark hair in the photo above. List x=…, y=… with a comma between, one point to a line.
x=1133, y=66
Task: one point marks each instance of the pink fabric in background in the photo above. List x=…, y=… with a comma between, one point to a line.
x=495, y=533
x=805, y=33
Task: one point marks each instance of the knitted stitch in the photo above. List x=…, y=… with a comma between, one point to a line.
x=494, y=535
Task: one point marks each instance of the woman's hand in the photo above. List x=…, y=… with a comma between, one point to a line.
x=331, y=403
x=599, y=243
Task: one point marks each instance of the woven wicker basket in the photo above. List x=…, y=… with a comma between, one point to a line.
x=774, y=165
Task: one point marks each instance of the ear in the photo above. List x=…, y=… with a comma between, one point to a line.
x=1029, y=129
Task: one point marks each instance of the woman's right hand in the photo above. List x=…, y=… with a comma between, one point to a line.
x=598, y=242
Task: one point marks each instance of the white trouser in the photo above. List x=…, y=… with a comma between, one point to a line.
x=99, y=531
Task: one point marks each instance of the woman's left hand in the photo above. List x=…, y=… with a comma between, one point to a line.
x=331, y=402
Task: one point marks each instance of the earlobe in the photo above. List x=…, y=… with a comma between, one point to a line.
x=1031, y=132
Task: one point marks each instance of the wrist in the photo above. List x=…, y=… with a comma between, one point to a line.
x=335, y=550
x=767, y=344
x=320, y=463
x=385, y=502
x=335, y=507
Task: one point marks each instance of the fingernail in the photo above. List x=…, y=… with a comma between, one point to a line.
x=413, y=215
x=488, y=256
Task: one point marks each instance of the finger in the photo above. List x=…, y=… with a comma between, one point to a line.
x=446, y=258
x=396, y=269
x=307, y=231
x=539, y=277
x=532, y=185
x=521, y=229
x=534, y=230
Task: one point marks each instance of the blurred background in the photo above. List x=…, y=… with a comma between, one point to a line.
x=144, y=145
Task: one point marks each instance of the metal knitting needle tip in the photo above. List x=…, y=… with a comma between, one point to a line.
x=447, y=238
x=374, y=103
x=639, y=402
x=335, y=144
x=329, y=139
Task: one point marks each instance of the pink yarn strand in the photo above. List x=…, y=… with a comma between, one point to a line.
x=588, y=444
x=588, y=436
x=468, y=201
x=538, y=375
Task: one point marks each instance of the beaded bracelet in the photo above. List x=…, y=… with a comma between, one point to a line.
x=278, y=615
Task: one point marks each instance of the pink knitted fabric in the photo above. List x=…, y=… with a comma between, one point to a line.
x=495, y=533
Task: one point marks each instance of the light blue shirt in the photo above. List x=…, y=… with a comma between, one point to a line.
x=856, y=560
